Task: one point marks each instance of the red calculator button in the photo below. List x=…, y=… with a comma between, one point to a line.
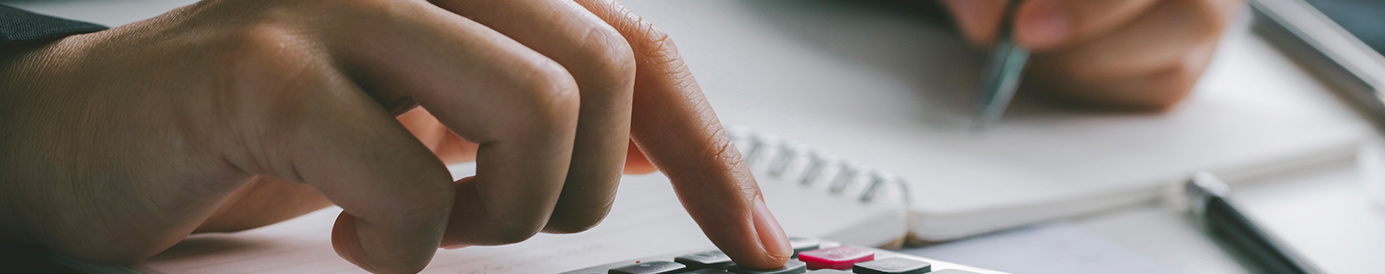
x=840, y=258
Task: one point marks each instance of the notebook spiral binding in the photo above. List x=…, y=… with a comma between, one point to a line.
x=769, y=155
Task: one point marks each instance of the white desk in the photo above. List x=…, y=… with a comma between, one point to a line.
x=1322, y=212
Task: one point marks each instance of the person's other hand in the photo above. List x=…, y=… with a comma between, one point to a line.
x=1128, y=54
x=233, y=114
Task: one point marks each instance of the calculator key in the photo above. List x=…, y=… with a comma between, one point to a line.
x=840, y=258
x=791, y=267
x=893, y=266
x=709, y=271
x=954, y=271
x=801, y=244
x=650, y=267
x=709, y=259
x=828, y=271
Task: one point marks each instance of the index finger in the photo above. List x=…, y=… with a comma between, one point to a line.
x=675, y=126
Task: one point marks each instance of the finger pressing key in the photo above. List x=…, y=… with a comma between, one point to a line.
x=675, y=125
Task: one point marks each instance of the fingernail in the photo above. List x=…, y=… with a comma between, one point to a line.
x=1046, y=25
x=772, y=236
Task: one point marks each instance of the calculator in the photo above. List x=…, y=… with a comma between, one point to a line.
x=811, y=256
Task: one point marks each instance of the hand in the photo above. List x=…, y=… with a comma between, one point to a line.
x=1131, y=54
x=232, y=114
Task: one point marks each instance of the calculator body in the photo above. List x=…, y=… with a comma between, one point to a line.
x=699, y=262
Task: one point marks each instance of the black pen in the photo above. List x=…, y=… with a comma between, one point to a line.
x=1219, y=216
x=1001, y=76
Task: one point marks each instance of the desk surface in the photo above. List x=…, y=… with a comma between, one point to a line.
x=1348, y=241
x=1325, y=212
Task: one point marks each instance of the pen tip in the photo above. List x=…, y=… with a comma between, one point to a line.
x=978, y=126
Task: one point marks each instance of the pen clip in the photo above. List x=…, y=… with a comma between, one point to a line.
x=1201, y=188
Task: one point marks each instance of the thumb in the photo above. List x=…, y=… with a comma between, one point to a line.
x=978, y=20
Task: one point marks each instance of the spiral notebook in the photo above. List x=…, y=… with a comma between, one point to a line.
x=816, y=193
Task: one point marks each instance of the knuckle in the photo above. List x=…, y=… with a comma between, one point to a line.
x=270, y=89
x=386, y=8
x=611, y=57
x=266, y=53
x=257, y=38
x=647, y=40
x=550, y=93
x=659, y=52
x=373, y=5
x=652, y=47
x=657, y=42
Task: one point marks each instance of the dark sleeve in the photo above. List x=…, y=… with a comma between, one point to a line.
x=18, y=26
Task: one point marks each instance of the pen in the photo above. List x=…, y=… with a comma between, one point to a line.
x=1219, y=216
x=1001, y=76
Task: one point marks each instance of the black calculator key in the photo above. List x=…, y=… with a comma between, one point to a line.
x=801, y=244
x=828, y=271
x=893, y=266
x=954, y=271
x=650, y=267
x=709, y=259
x=792, y=267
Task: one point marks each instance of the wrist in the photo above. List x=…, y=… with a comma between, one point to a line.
x=27, y=71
